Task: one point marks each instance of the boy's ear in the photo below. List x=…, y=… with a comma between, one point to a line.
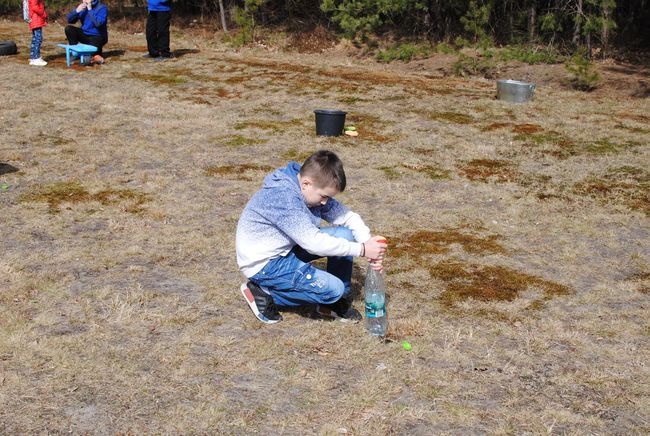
x=306, y=181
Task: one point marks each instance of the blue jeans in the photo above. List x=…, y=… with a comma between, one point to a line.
x=37, y=40
x=293, y=281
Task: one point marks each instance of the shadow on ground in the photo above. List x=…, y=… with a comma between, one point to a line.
x=184, y=51
x=59, y=58
x=114, y=53
x=6, y=168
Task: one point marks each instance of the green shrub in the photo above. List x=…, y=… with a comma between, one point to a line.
x=357, y=18
x=528, y=55
x=445, y=48
x=580, y=67
x=476, y=20
x=461, y=42
x=483, y=43
x=488, y=53
x=402, y=52
x=473, y=66
x=245, y=19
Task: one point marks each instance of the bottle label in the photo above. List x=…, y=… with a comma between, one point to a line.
x=375, y=311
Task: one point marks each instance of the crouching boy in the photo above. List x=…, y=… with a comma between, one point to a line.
x=279, y=234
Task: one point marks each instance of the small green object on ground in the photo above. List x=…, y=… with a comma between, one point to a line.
x=350, y=129
x=5, y=186
x=406, y=346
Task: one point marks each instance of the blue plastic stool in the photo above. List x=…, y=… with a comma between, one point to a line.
x=82, y=51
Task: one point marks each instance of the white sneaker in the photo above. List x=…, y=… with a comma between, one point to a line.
x=38, y=62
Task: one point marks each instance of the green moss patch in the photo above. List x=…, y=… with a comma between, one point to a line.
x=370, y=127
x=434, y=172
x=564, y=147
x=527, y=128
x=296, y=155
x=485, y=170
x=207, y=95
x=640, y=130
x=488, y=283
x=495, y=126
x=240, y=141
x=240, y=172
x=627, y=185
x=645, y=119
x=520, y=129
x=353, y=80
x=640, y=282
x=73, y=192
x=450, y=117
x=607, y=146
x=548, y=137
x=48, y=140
x=198, y=100
x=224, y=93
x=427, y=242
x=162, y=78
x=534, y=134
x=391, y=173
x=295, y=78
x=275, y=126
x=350, y=99
x=237, y=79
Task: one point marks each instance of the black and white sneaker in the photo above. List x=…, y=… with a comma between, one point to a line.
x=342, y=310
x=261, y=303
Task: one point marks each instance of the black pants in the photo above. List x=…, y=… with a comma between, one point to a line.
x=75, y=35
x=158, y=33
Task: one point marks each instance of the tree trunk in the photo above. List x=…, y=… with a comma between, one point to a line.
x=511, y=20
x=532, y=22
x=222, y=12
x=432, y=20
x=605, y=31
x=577, y=20
x=509, y=11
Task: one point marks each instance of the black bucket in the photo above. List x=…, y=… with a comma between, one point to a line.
x=329, y=122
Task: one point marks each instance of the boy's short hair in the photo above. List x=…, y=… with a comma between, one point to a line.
x=325, y=169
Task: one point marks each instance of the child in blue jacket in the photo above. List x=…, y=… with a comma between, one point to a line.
x=279, y=233
x=93, y=15
x=158, y=19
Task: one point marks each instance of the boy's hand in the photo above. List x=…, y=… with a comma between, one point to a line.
x=375, y=248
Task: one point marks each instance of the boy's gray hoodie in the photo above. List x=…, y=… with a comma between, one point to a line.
x=277, y=218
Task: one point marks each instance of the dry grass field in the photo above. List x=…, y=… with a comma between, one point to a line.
x=518, y=266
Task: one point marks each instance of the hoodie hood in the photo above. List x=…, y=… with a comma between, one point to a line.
x=287, y=176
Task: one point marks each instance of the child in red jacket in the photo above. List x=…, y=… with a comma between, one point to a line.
x=37, y=20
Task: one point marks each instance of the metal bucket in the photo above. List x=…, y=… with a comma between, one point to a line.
x=515, y=91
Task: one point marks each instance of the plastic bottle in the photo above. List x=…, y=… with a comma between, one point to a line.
x=375, y=301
